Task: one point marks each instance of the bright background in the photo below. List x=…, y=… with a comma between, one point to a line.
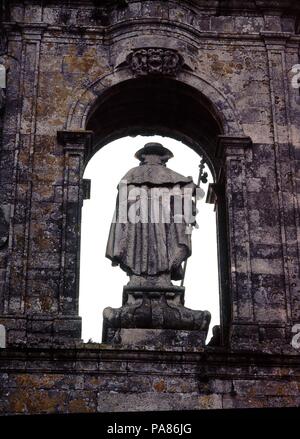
x=101, y=285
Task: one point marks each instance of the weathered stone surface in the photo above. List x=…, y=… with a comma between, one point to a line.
x=92, y=378
x=157, y=338
x=157, y=318
x=226, y=91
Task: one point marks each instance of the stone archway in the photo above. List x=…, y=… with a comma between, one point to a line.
x=82, y=107
x=95, y=120
x=209, y=97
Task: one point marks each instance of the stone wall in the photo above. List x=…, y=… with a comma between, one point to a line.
x=63, y=60
x=95, y=378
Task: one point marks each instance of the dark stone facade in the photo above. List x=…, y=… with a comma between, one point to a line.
x=214, y=74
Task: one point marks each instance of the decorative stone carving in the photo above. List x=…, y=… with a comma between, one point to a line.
x=155, y=61
x=157, y=317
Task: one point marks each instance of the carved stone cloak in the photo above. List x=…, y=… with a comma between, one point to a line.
x=148, y=248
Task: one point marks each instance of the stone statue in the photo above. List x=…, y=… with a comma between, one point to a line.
x=150, y=238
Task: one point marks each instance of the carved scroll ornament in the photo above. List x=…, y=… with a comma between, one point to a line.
x=153, y=61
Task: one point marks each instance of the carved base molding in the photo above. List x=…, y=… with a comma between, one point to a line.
x=137, y=338
x=156, y=317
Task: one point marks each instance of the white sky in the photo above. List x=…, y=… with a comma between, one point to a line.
x=101, y=285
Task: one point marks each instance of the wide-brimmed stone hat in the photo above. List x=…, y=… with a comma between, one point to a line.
x=153, y=148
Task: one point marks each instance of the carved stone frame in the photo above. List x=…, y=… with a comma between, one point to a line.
x=229, y=196
x=76, y=145
x=233, y=236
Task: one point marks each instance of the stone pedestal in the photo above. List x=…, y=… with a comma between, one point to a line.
x=155, y=317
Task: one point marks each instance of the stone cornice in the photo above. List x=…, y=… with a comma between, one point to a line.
x=76, y=141
x=214, y=190
x=213, y=7
x=218, y=5
x=233, y=143
x=33, y=30
x=100, y=352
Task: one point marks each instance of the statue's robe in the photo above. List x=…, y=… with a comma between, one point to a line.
x=145, y=248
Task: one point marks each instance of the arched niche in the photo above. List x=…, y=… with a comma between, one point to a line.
x=156, y=105
x=187, y=108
